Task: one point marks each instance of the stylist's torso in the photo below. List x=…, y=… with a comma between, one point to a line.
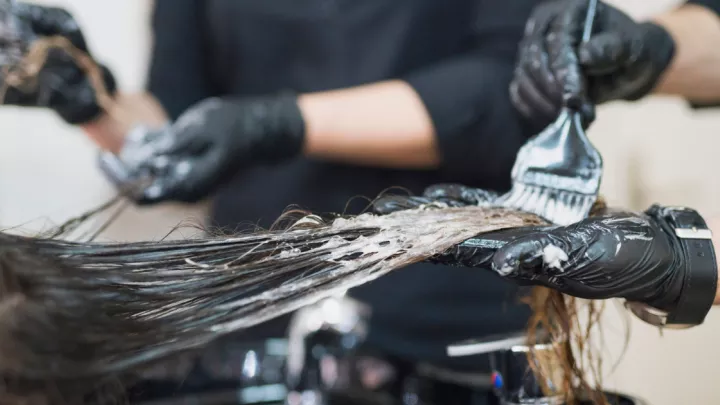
x=255, y=47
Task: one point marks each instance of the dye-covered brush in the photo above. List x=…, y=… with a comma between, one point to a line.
x=557, y=173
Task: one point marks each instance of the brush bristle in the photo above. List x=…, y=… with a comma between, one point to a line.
x=560, y=207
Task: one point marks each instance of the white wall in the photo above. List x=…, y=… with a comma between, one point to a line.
x=654, y=151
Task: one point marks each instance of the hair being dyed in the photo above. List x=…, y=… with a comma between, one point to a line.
x=74, y=314
x=79, y=319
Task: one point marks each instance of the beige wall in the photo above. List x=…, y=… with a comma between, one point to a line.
x=654, y=151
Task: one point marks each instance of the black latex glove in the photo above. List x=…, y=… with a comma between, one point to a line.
x=209, y=144
x=623, y=60
x=61, y=84
x=616, y=255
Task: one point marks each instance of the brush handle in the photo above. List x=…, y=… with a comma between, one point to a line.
x=587, y=33
x=589, y=20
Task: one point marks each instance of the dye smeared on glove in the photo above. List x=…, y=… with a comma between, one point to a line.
x=615, y=255
x=623, y=60
x=127, y=170
x=207, y=145
x=60, y=84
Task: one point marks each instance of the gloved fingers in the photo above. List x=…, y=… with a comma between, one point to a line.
x=169, y=181
x=565, y=35
x=182, y=179
x=114, y=169
x=587, y=111
x=604, y=54
x=534, y=255
x=143, y=143
x=393, y=203
x=535, y=79
x=460, y=194
x=10, y=95
x=441, y=195
x=54, y=79
x=520, y=104
x=51, y=21
x=181, y=144
x=604, y=88
x=146, y=179
x=128, y=182
x=140, y=146
x=186, y=135
x=530, y=101
x=199, y=115
x=474, y=254
x=158, y=191
x=478, y=251
x=14, y=36
x=534, y=90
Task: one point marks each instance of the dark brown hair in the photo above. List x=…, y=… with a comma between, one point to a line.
x=76, y=316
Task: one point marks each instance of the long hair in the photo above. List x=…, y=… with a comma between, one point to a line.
x=75, y=315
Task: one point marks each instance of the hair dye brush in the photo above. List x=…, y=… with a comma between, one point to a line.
x=557, y=173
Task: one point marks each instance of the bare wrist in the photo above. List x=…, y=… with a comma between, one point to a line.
x=692, y=73
x=106, y=132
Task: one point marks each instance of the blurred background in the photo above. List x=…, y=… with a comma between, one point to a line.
x=47, y=174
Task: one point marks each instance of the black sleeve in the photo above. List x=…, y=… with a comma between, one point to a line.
x=478, y=130
x=178, y=76
x=713, y=5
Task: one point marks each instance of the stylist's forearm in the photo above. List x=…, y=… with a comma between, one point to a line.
x=109, y=130
x=381, y=124
x=694, y=73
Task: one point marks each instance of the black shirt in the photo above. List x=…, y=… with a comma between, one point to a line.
x=713, y=5
x=457, y=54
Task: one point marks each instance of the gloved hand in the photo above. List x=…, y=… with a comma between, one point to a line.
x=61, y=84
x=624, y=59
x=209, y=144
x=615, y=255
